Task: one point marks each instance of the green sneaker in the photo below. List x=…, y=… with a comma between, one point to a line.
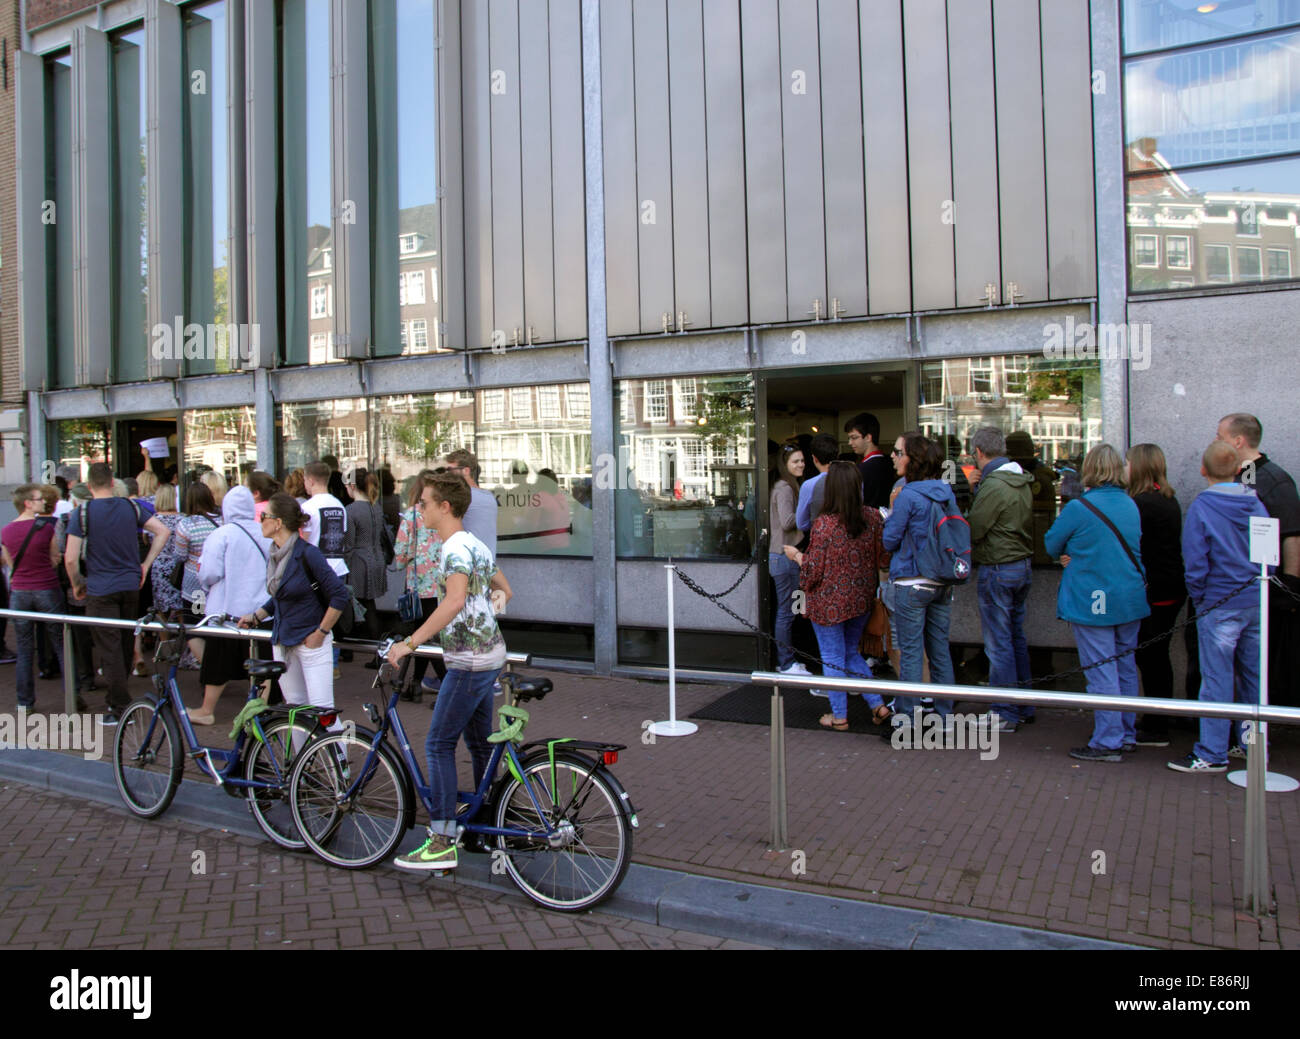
x=436, y=853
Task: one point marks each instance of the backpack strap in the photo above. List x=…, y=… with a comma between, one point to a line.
x=1118, y=537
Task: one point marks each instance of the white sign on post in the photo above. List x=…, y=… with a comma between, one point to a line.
x=1265, y=534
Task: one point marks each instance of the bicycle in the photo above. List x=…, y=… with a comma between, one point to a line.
x=148, y=757
x=557, y=821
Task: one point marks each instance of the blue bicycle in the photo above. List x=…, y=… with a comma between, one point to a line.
x=557, y=821
x=149, y=756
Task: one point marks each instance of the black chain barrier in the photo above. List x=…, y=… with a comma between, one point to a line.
x=717, y=598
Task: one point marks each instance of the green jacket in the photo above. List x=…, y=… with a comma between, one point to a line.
x=1001, y=517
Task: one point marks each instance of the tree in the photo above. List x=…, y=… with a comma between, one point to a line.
x=425, y=433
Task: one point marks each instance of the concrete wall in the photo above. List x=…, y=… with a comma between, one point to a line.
x=1212, y=355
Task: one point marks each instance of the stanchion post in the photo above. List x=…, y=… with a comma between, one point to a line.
x=780, y=829
x=672, y=727
x=69, y=672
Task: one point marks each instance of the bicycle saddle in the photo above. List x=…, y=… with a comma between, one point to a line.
x=528, y=688
x=265, y=668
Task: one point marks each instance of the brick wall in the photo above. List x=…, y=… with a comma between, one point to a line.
x=42, y=12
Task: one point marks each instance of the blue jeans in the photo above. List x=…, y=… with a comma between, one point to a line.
x=464, y=706
x=785, y=572
x=921, y=619
x=1111, y=730
x=839, y=649
x=42, y=601
x=1229, y=649
x=1003, y=590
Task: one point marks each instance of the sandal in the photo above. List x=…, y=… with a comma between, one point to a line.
x=881, y=715
x=141, y=669
x=829, y=721
x=201, y=719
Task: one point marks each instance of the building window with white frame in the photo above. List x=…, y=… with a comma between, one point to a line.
x=1146, y=250
x=656, y=400
x=684, y=399
x=1279, y=263
x=1218, y=263
x=578, y=398
x=1249, y=263
x=319, y=348
x=494, y=405
x=1178, y=252
x=419, y=336
x=319, y=301
x=521, y=403
x=548, y=403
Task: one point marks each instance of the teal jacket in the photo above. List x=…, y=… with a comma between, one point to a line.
x=1100, y=587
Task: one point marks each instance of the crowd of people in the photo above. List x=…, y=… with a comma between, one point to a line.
x=871, y=553
x=301, y=554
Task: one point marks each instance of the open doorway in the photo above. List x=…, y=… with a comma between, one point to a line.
x=797, y=406
x=159, y=431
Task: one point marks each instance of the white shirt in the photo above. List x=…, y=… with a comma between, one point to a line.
x=326, y=516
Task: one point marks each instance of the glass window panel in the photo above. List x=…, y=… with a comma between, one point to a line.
x=541, y=477
x=579, y=401
x=1049, y=426
x=311, y=429
x=1249, y=263
x=78, y=442
x=59, y=232
x=1231, y=101
x=1178, y=250
x=403, y=169
x=222, y=439
x=685, y=487
x=548, y=403
x=130, y=270
x=1279, y=263
x=306, y=235
x=1146, y=250
x=207, y=293
x=1154, y=24
x=1215, y=209
x=420, y=336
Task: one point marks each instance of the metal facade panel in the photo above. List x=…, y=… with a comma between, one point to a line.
x=1067, y=126
x=477, y=131
x=690, y=162
x=974, y=151
x=506, y=172
x=654, y=174
x=724, y=119
x=846, y=215
x=350, y=181
x=884, y=147
x=568, y=184
x=538, y=251
x=29, y=156
x=165, y=176
x=929, y=153
x=1017, y=64
x=92, y=198
x=801, y=120
x=622, y=209
x=764, y=161
x=263, y=187
x=451, y=180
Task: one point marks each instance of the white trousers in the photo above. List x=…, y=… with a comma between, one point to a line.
x=309, y=674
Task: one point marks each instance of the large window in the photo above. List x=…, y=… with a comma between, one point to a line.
x=306, y=232
x=207, y=220
x=329, y=427
x=60, y=241
x=685, y=482
x=1050, y=411
x=78, y=442
x=224, y=439
x=1214, y=141
x=130, y=269
x=403, y=172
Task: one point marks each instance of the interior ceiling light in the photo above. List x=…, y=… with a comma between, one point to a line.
x=1207, y=8
x=815, y=429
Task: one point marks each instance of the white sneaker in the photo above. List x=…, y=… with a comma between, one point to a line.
x=794, y=668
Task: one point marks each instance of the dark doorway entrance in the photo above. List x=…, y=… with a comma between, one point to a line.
x=130, y=433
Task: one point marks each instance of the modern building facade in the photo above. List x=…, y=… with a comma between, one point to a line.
x=620, y=247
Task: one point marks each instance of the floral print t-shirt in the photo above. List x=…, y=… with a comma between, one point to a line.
x=472, y=641
x=417, y=550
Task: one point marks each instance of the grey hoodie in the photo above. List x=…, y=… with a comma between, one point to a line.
x=232, y=568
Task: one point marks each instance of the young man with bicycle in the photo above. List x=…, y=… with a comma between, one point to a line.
x=474, y=653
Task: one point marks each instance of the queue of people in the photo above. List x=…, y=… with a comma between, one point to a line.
x=1130, y=566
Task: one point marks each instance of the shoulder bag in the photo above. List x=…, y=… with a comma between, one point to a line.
x=1118, y=537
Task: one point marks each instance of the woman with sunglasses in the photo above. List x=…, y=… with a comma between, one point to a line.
x=303, y=618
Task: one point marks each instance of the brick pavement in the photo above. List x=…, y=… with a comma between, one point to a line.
x=1011, y=840
x=78, y=876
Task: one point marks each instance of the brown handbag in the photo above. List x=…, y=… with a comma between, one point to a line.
x=875, y=635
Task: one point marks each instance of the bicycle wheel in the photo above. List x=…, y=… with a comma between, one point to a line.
x=357, y=832
x=586, y=860
x=272, y=762
x=147, y=766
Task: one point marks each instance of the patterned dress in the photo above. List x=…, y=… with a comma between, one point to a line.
x=165, y=597
x=418, y=549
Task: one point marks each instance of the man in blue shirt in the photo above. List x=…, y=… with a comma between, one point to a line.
x=110, y=528
x=824, y=450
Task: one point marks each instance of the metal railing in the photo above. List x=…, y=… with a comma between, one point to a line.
x=1256, y=846
x=197, y=631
